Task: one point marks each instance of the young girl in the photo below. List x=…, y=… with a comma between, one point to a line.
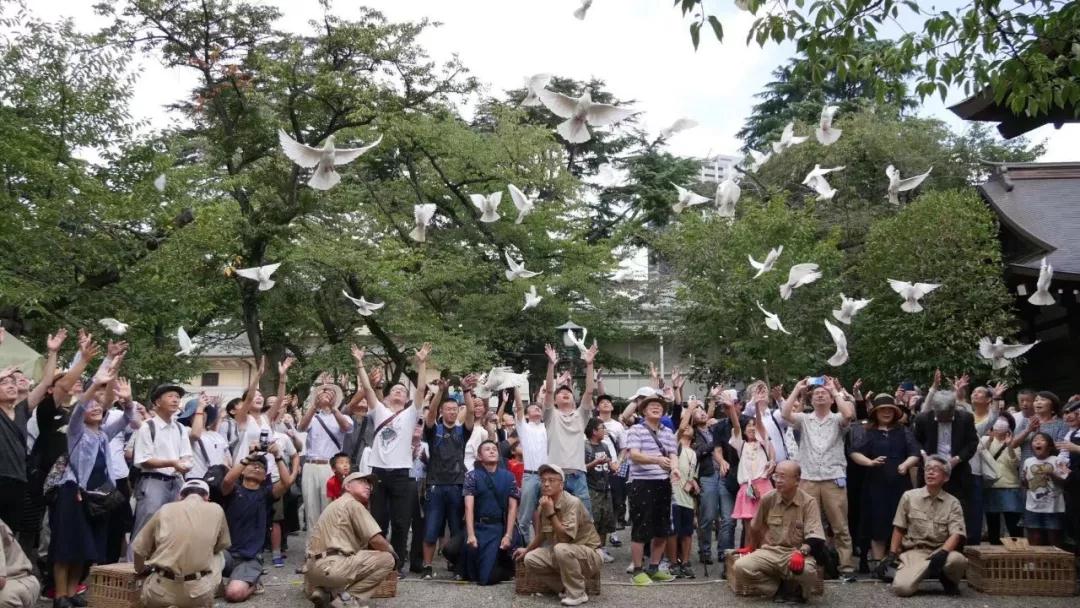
x=756, y=461
x=1005, y=498
x=1043, y=478
x=684, y=489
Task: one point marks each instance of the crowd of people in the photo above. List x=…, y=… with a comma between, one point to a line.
x=818, y=481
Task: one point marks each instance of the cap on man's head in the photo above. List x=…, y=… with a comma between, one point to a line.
x=1071, y=406
x=161, y=389
x=652, y=399
x=645, y=391
x=563, y=387
x=551, y=468
x=195, y=485
x=607, y=398
x=369, y=477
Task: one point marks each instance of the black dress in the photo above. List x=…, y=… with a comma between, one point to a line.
x=75, y=539
x=883, y=485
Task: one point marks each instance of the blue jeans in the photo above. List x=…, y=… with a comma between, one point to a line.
x=709, y=504
x=973, y=510
x=445, y=505
x=530, y=497
x=577, y=485
x=726, y=537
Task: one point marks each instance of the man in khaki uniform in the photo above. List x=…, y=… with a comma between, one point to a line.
x=787, y=523
x=18, y=586
x=181, y=547
x=346, y=550
x=929, y=529
x=566, y=541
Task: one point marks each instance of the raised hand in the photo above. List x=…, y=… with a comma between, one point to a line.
x=283, y=367
x=937, y=380
x=677, y=379
x=358, y=354
x=716, y=392
x=590, y=355
x=552, y=354
x=998, y=390
x=122, y=390
x=262, y=366
x=857, y=387
x=376, y=375
x=564, y=378
x=105, y=376
x=653, y=373
x=56, y=340
x=469, y=382
x=87, y=348
x=115, y=349
x=423, y=353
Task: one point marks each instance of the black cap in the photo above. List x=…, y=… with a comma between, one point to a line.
x=161, y=389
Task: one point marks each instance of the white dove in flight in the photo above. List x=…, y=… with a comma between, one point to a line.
x=799, y=275
x=159, y=182
x=787, y=139
x=727, y=195
x=679, y=125
x=912, y=293
x=578, y=343
x=580, y=113
x=897, y=185
x=815, y=179
x=772, y=321
x=488, y=206
x=517, y=270
x=323, y=159
x=523, y=203
x=114, y=326
x=533, y=85
x=422, y=215
x=687, y=198
x=997, y=353
x=848, y=308
x=260, y=274
x=531, y=299
x=363, y=307
x=186, y=344
x=757, y=159
x=743, y=4
x=770, y=261
x=1042, y=296
x=579, y=13
x=825, y=133
x=840, y=357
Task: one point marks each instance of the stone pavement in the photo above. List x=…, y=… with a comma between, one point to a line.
x=283, y=588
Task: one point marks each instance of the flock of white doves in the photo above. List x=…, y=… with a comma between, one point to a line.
x=579, y=114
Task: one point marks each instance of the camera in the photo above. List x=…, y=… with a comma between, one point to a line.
x=264, y=440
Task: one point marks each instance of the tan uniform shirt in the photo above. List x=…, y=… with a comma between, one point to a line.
x=12, y=556
x=788, y=523
x=345, y=526
x=575, y=520
x=928, y=521
x=183, y=536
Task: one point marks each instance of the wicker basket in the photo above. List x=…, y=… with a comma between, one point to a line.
x=114, y=586
x=528, y=583
x=1019, y=569
x=387, y=588
x=740, y=588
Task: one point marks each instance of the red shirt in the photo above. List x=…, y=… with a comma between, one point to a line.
x=517, y=468
x=333, y=487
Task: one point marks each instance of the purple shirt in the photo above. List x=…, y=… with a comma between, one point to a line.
x=640, y=437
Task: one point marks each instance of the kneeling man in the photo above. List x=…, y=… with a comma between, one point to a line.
x=784, y=532
x=929, y=529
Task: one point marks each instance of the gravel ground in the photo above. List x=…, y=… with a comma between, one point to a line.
x=283, y=588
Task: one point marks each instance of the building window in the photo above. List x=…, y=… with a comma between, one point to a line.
x=209, y=379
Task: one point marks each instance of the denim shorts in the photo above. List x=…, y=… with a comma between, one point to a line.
x=445, y=506
x=1043, y=521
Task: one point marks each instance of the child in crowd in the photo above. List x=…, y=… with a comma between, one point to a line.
x=516, y=463
x=339, y=464
x=597, y=471
x=1044, y=511
x=684, y=489
x=756, y=462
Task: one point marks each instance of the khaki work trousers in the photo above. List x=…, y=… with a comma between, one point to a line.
x=765, y=568
x=573, y=563
x=20, y=592
x=160, y=592
x=912, y=569
x=833, y=501
x=358, y=574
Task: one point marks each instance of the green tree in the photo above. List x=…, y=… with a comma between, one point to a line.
x=947, y=237
x=1026, y=52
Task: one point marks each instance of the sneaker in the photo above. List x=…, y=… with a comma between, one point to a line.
x=427, y=573
x=575, y=601
x=79, y=600
x=614, y=541
x=605, y=556
x=676, y=570
x=279, y=561
x=259, y=589
x=705, y=558
x=664, y=564
x=688, y=571
x=847, y=577
x=661, y=576
x=630, y=568
x=641, y=579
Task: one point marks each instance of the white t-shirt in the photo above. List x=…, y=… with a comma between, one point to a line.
x=533, y=438
x=1044, y=493
x=479, y=435
x=392, y=448
x=616, y=435
x=288, y=450
x=216, y=450
x=249, y=434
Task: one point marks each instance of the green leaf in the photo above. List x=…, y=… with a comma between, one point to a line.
x=695, y=34
x=717, y=27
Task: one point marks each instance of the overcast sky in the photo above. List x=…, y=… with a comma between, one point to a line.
x=640, y=47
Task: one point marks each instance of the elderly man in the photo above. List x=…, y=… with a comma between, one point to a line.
x=181, y=546
x=566, y=541
x=929, y=529
x=784, y=532
x=326, y=427
x=945, y=430
x=346, y=550
x=821, y=455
